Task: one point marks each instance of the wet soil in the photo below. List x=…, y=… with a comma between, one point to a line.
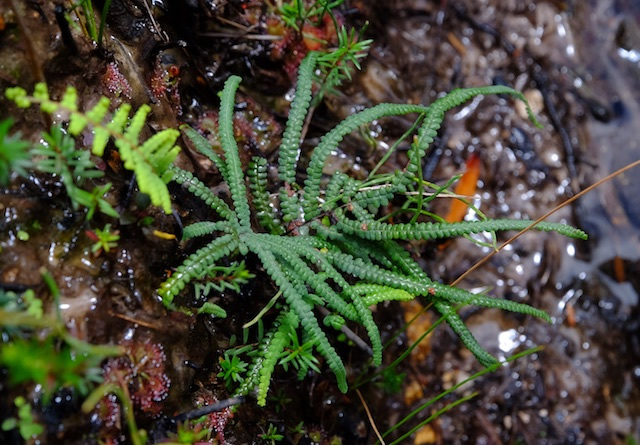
x=579, y=65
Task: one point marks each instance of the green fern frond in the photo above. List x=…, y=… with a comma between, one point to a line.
x=197, y=187
x=373, y=294
x=273, y=351
x=304, y=312
x=427, y=231
x=290, y=147
x=379, y=197
x=149, y=160
x=332, y=139
x=195, y=266
x=257, y=174
x=290, y=249
x=357, y=247
x=460, y=296
x=203, y=228
x=467, y=338
x=371, y=273
x=252, y=376
x=333, y=192
x=324, y=290
x=235, y=175
x=204, y=147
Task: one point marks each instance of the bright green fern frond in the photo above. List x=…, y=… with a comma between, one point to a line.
x=197, y=187
x=150, y=163
x=303, y=310
x=330, y=141
x=234, y=169
x=291, y=139
x=373, y=294
x=257, y=174
x=204, y=147
x=203, y=228
x=132, y=133
x=290, y=249
x=273, y=352
x=195, y=266
x=460, y=296
x=426, y=231
x=159, y=152
x=467, y=338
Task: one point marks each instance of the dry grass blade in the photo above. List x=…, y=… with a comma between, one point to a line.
x=543, y=217
x=370, y=417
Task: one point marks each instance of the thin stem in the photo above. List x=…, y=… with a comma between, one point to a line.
x=103, y=20
x=370, y=417
x=263, y=311
x=393, y=148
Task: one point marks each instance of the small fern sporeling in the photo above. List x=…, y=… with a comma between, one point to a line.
x=346, y=261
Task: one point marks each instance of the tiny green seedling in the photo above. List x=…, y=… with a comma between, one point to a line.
x=105, y=239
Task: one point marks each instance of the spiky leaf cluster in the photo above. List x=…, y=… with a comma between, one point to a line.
x=14, y=153
x=59, y=156
x=320, y=259
x=149, y=159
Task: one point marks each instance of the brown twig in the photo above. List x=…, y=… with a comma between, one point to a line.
x=350, y=334
x=139, y=322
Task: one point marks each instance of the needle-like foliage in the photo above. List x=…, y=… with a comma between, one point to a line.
x=346, y=260
x=149, y=159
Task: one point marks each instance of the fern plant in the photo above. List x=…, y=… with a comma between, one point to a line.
x=320, y=239
x=149, y=159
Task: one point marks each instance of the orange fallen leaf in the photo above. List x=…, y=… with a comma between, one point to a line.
x=466, y=186
x=618, y=269
x=570, y=312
